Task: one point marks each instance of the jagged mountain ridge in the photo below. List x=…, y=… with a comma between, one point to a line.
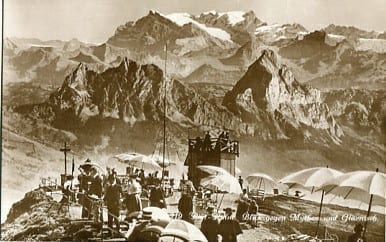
x=134, y=93
x=353, y=32
x=269, y=94
x=192, y=43
x=335, y=66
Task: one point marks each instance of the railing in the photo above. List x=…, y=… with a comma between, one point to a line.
x=215, y=144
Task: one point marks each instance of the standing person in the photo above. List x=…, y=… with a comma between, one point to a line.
x=229, y=227
x=357, y=236
x=242, y=208
x=112, y=200
x=142, y=177
x=210, y=226
x=185, y=206
x=207, y=143
x=241, y=181
x=96, y=183
x=95, y=193
x=67, y=193
x=133, y=201
x=84, y=186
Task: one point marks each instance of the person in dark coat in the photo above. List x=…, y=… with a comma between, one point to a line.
x=229, y=227
x=112, y=200
x=210, y=226
x=156, y=197
x=96, y=184
x=84, y=187
x=358, y=234
x=242, y=208
x=185, y=206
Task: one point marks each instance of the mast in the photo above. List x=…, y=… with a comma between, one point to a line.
x=164, y=140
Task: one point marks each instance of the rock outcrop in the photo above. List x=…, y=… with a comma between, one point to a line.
x=275, y=104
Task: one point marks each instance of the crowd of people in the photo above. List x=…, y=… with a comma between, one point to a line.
x=221, y=143
x=96, y=190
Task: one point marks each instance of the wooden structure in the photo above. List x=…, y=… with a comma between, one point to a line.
x=220, y=151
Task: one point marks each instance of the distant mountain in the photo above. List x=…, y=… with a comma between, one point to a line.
x=335, y=66
x=240, y=25
x=10, y=47
x=353, y=32
x=246, y=54
x=32, y=57
x=333, y=57
x=276, y=33
x=207, y=73
x=73, y=45
x=151, y=32
x=269, y=95
x=84, y=58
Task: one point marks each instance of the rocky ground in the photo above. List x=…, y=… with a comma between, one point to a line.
x=32, y=219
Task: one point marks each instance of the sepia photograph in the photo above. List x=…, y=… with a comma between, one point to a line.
x=192, y=120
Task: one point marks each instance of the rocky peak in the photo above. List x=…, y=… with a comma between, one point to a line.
x=269, y=93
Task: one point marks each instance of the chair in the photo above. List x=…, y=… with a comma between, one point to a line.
x=256, y=194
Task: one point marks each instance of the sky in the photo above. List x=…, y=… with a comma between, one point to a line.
x=94, y=21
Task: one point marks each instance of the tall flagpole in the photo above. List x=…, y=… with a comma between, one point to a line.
x=164, y=141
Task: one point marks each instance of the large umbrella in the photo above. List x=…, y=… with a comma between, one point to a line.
x=213, y=170
x=139, y=161
x=160, y=161
x=223, y=182
x=365, y=186
x=182, y=229
x=126, y=156
x=312, y=178
x=261, y=181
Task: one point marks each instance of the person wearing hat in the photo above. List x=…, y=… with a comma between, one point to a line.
x=229, y=227
x=357, y=236
x=210, y=225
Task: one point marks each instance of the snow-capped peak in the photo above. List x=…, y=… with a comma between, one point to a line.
x=185, y=18
x=234, y=17
x=214, y=12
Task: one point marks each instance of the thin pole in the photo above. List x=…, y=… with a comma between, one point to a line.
x=164, y=141
x=65, y=150
x=320, y=212
x=368, y=214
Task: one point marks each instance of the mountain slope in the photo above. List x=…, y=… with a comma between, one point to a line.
x=269, y=94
